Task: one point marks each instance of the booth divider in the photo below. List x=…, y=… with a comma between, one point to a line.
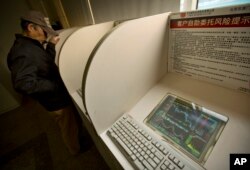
x=128, y=62
x=75, y=52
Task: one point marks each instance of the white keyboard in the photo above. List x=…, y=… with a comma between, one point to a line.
x=142, y=150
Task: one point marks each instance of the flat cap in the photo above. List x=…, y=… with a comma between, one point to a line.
x=38, y=18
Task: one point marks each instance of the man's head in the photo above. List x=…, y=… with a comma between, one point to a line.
x=37, y=26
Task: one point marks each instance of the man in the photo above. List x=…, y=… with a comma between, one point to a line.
x=34, y=73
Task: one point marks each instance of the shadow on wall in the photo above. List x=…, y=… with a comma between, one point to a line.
x=10, y=11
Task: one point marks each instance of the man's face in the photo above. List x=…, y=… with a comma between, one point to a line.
x=36, y=32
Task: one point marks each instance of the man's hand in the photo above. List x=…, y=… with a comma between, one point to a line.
x=54, y=39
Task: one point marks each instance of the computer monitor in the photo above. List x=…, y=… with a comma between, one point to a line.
x=189, y=127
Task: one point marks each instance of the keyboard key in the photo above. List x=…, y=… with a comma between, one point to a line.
x=146, y=156
x=157, y=161
x=151, y=155
x=133, y=157
x=134, y=151
x=150, y=147
x=167, y=163
x=151, y=162
x=139, y=150
x=153, y=142
x=176, y=161
x=180, y=165
x=138, y=164
x=141, y=158
x=158, y=155
x=147, y=165
x=149, y=138
x=161, y=148
x=171, y=157
x=165, y=152
x=145, y=149
x=163, y=167
x=171, y=167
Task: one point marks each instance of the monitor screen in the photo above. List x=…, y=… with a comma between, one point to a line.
x=189, y=127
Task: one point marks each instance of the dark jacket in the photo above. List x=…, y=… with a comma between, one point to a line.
x=35, y=73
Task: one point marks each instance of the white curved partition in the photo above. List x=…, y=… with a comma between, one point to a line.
x=63, y=34
x=73, y=56
x=123, y=68
x=75, y=52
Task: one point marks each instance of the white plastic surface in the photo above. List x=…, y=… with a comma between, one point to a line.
x=75, y=52
x=63, y=34
x=123, y=68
